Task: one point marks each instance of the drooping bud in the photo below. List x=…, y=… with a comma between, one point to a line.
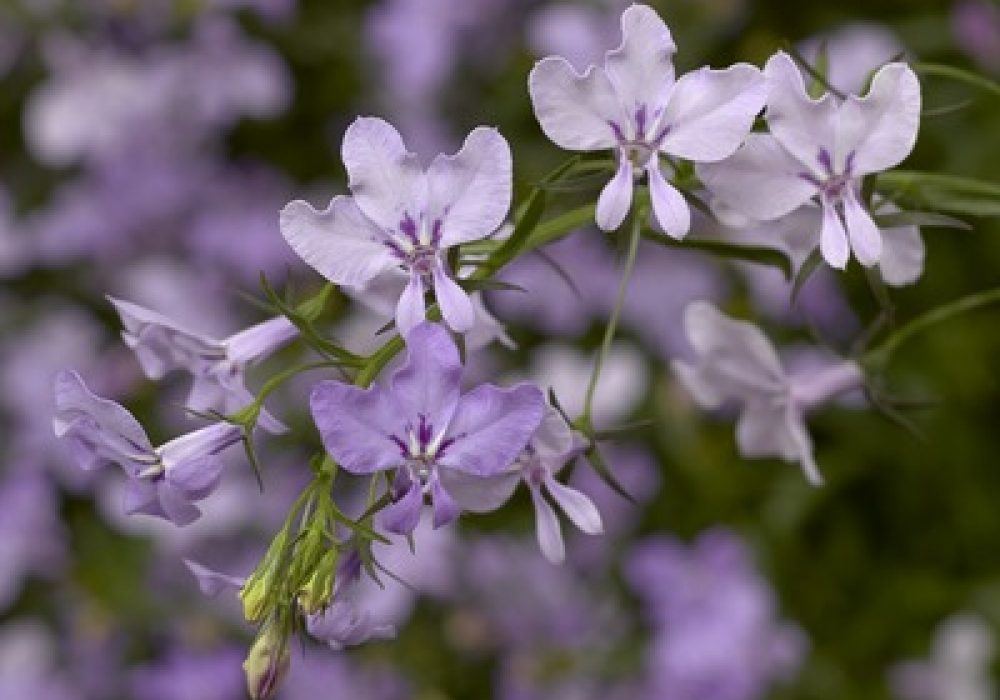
x=318, y=590
x=267, y=663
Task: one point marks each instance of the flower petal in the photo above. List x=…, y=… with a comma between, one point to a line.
x=864, y=235
x=669, y=206
x=880, y=128
x=710, y=112
x=903, y=253
x=356, y=425
x=491, y=427
x=575, y=111
x=547, y=529
x=456, y=306
x=410, y=310
x=470, y=192
x=258, y=341
x=446, y=510
x=212, y=582
x=479, y=494
x=616, y=198
x=340, y=242
x=429, y=382
x=140, y=496
x=553, y=441
x=385, y=179
x=207, y=441
x=402, y=516
x=803, y=125
x=642, y=67
x=833, y=238
x=761, y=180
x=176, y=507
x=195, y=478
x=577, y=506
x=776, y=430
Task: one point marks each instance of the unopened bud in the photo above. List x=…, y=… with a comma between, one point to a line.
x=267, y=663
x=316, y=593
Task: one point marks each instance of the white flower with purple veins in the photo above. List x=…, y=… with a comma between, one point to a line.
x=421, y=426
x=635, y=106
x=163, y=481
x=735, y=361
x=218, y=366
x=403, y=218
x=822, y=149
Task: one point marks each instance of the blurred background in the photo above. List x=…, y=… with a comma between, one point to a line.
x=146, y=147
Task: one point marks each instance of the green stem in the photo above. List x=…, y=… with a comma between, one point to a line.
x=882, y=352
x=609, y=332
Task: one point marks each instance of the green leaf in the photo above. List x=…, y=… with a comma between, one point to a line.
x=959, y=75
x=920, y=218
x=943, y=192
x=759, y=255
x=601, y=468
x=805, y=272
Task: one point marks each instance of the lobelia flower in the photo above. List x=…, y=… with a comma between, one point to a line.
x=402, y=217
x=635, y=106
x=163, y=481
x=550, y=448
x=218, y=366
x=436, y=439
x=822, y=148
x=736, y=361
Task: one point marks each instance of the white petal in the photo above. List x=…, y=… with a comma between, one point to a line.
x=642, y=68
x=710, y=112
x=880, y=128
x=385, y=178
x=833, y=238
x=260, y=340
x=547, y=529
x=616, y=198
x=456, y=307
x=802, y=125
x=669, y=206
x=577, y=506
x=866, y=239
x=553, y=441
x=773, y=430
x=704, y=389
x=761, y=180
x=903, y=252
x=471, y=190
x=410, y=310
x=575, y=111
x=340, y=243
x=479, y=494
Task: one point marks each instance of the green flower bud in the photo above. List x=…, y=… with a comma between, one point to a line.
x=267, y=663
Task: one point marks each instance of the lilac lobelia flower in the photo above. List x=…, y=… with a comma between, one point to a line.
x=635, y=106
x=421, y=426
x=822, y=148
x=217, y=366
x=163, y=481
x=401, y=216
x=736, y=361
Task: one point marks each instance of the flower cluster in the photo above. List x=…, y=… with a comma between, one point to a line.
x=425, y=243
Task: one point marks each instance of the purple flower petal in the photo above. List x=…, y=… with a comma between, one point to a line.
x=547, y=529
x=446, y=510
x=479, y=494
x=356, y=425
x=802, y=125
x=410, y=311
x=212, y=582
x=176, y=507
x=669, y=206
x=833, y=238
x=140, y=496
x=642, y=68
x=616, y=198
x=864, y=235
x=577, y=506
x=429, y=382
x=575, y=111
x=259, y=341
x=402, y=516
x=456, y=306
x=195, y=477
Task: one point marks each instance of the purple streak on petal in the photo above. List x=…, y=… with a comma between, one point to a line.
x=429, y=381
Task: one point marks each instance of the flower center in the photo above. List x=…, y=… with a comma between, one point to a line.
x=833, y=185
x=416, y=242
x=641, y=148
x=421, y=447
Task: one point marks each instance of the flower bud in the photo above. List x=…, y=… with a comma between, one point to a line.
x=316, y=593
x=254, y=597
x=267, y=663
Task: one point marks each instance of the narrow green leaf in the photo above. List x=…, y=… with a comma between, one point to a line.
x=920, y=218
x=810, y=265
x=758, y=255
x=959, y=75
x=601, y=468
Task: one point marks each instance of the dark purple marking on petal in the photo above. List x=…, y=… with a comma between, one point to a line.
x=436, y=233
x=448, y=442
x=849, y=164
x=619, y=134
x=640, y=121
x=424, y=433
x=409, y=228
x=825, y=160
x=403, y=449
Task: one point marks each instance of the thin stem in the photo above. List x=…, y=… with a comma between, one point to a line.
x=609, y=331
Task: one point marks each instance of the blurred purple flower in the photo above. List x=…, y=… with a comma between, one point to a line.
x=421, y=426
x=192, y=675
x=976, y=26
x=28, y=667
x=164, y=481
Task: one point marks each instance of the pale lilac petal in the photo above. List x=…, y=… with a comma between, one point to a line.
x=803, y=443
x=402, y=516
x=479, y=494
x=456, y=306
x=176, y=507
x=803, y=125
x=776, y=430
x=761, y=180
x=343, y=625
x=710, y=112
x=616, y=198
x=553, y=441
x=206, y=394
x=210, y=440
x=903, y=254
x=340, y=242
x=357, y=425
x=470, y=192
x=491, y=427
x=429, y=382
x=865, y=238
x=445, y=508
x=669, y=206
x=385, y=179
x=880, y=128
x=701, y=383
x=410, y=310
x=833, y=238
x=577, y=506
x=642, y=68
x=162, y=345
x=195, y=478
x=211, y=582
x=547, y=529
x=260, y=340
x=140, y=496
x=576, y=112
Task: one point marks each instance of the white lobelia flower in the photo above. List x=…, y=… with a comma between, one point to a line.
x=735, y=361
x=822, y=149
x=962, y=653
x=635, y=106
x=401, y=217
